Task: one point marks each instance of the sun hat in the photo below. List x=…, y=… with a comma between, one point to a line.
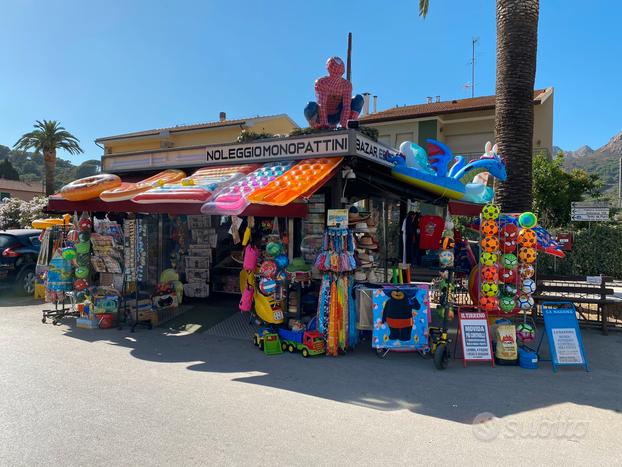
x=298, y=265
x=366, y=257
x=354, y=215
x=360, y=276
x=361, y=227
x=367, y=242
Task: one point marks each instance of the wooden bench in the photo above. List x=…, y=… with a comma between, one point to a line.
x=578, y=290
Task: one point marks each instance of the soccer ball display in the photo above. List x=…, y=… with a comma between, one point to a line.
x=527, y=220
x=527, y=255
x=491, y=211
x=509, y=246
x=526, y=271
x=525, y=302
x=510, y=289
x=490, y=244
x=528, y=286
x=509, y=261
x=447, y=243
x=525, y=332
x=488, y=303
x=489, y=228
x=490, y=274
x=490, y=289
x=488, y=259
x=527, y=237
x=507, y=303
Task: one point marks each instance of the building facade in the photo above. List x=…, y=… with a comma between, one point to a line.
x=465, y=125
x=21, y=190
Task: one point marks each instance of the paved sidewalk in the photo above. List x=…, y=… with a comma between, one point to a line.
x=109, y=397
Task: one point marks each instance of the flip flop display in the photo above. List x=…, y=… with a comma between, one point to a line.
x=197, y=188
x=300, y=181
x=128, y=190
x=233, y=198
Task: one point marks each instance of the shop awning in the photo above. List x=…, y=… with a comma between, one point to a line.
x=463, y=208
x=56, y=204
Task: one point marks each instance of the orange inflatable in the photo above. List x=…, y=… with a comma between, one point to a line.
x=89, y=187
x=302, y=180
x=127, y=191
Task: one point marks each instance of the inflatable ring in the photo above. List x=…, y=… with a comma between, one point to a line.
x=89, y=187
x=127, y=191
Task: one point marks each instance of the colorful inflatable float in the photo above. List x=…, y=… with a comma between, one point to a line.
x=89, y=187
x=197, y=188
x=47, y=223
x=127, y=191
x=434, y=171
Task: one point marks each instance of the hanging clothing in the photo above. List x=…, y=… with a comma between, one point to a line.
x=430, y=231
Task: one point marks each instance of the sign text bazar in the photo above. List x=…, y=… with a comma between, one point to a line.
x=281, y=149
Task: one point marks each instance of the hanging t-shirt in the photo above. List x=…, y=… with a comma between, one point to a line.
x=430, y=231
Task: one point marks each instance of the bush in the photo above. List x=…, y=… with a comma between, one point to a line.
x=596, y=250
x=18, y=214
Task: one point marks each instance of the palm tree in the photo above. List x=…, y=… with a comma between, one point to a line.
x=47, y=137
x=517, y=41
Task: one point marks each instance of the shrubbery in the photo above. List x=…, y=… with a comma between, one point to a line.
x=18, y=214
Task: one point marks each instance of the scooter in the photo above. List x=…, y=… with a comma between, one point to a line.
x=438, y=335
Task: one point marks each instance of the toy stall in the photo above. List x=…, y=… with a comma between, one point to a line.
x=326, y=242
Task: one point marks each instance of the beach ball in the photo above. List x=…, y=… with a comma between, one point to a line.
x=267, y=286
x=525, y=302
x=527, y=237
x=282, y=261
x=491, y=211
x=507, y=276
x=447, y=243
x=525, y=332
x=84, y=236
x=528, y=286
x=510, y=289
x=446, y=258
x=80, y=284
x=69, y=253
x=509, y=261
x=273, y=249
x=490, y=244
x=490, y=289
x=527, y=255
x=83, y=248
x=82, y=272
x=490, y=274
x=507, y=303
x=489, y=228
x=528, y=220
x=526, y=270
x=267, y=269
x=85, y=224
x=488, y=259
x=488, y=303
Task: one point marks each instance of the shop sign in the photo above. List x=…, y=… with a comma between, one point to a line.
x=370, y=149
x=563, y=335
x=475, y=335
x=279, y=149
x=337, y=217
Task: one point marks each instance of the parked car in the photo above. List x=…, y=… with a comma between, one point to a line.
x=19, y=250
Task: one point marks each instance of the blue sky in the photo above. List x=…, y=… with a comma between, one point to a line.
x=114, y=66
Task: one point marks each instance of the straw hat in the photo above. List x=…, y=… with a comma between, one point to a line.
x=360, y=276
x=367, y=242
x=354, y=216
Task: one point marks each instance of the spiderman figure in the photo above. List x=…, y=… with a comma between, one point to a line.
x=335, y=103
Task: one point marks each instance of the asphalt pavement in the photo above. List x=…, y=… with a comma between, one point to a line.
x=107, y=397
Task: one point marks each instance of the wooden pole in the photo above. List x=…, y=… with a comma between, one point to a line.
x=349, y=58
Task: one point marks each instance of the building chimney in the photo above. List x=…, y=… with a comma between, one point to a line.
x=375, y=104
x=223, y=116
x=438, y=98
x=429, y=99
x=365, y=104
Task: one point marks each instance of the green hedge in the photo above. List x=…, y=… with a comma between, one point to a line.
x=595, y=250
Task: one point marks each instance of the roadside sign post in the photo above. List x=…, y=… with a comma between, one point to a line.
x=589, y=211
x=563, y=335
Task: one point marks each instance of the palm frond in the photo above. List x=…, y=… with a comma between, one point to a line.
x=423, y=8
x=49, y=135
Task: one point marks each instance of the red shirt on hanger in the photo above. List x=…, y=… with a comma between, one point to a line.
x=431, y=229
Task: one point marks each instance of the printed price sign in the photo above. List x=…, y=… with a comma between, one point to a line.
x=474, y=335
x=563, y=334
x=337, y=218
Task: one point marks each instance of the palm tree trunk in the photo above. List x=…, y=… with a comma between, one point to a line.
x=49, y=159
x=517, y=41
